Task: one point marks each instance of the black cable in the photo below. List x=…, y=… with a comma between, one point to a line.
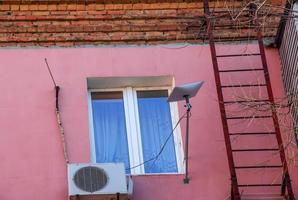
x=163, y=146
x=57, y=88
x=169, y=138
x=50, y=72
x=62, y=134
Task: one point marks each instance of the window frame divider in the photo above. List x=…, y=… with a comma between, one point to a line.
x=133, y=131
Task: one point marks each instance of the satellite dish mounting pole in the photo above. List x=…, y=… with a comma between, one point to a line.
x=188, y=107
x=185, y=92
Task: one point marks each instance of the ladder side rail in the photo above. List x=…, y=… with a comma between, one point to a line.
x=275, y=119
x=235, y=195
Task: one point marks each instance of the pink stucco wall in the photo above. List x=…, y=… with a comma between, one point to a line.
x=32, y=164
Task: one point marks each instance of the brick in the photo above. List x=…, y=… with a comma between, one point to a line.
x=22, y=13
x=182, y=5
x=81, y=7
x=24, y=24
x=72, y=7
x=65, y=23
x=117, y=35
x=195, y=5
x=30, y=17
x=33, y=7
x=156, y=34
x=62, y=7
x=24, y=7
x=155, y=6
x=4, y=7
x=88, y=28
x=12, y=44
x=42, y=29
x=118, y=6
x=152, y=13
x=164, y=5
x=109, y=6
x=134, y=36
x=166, y=27
x=14, y=7
x=64, y=44
x=43, y=7
x=99, y=7
x=173, y=5
x=170, y=34
x=138, y=22
x=59, y=13
x=41, y=23
x=127, y=6
x=52, y=7
x=115, y=12
x=46, y=44
x=101, y=36
x=91, y=7
x=169, y=13
x=139, y=6
x=40, y=13
x=57, y=29
x=134, y=13
x=104, y=28
x=190, y=12
x=31, y=29
x=77, y=22
x=21, y=17
x=79, y=13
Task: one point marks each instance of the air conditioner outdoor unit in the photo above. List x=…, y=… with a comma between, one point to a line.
x=103, y=181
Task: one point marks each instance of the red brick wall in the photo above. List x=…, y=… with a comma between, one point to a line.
x=48, y=23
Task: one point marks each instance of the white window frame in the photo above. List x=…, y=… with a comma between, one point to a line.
x=135, y=149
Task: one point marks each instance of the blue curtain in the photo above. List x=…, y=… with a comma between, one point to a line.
x=110, y=131
x=156, y=126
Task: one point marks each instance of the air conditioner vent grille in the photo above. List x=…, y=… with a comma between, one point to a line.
x=90, y=179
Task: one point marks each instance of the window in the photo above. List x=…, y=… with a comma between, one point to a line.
x=131, y=125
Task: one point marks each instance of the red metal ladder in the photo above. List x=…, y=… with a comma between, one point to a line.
x=285, y=184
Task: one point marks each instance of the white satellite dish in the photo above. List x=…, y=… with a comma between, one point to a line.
x=180, y=92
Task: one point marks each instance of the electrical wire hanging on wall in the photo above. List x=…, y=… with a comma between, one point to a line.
x=154, y=158
x=58, y=116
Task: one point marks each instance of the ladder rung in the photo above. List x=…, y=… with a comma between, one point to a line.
x=250, y=117
x=260, y=185
x=242, y=150
x=255, y=167
x=257, y=133
x=237, y=55
x=247, y=101
x=251, y=85
x=242, y=70
x=262, y=196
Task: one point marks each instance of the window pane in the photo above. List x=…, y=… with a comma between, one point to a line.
x=156, y=126
x=109, y=128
